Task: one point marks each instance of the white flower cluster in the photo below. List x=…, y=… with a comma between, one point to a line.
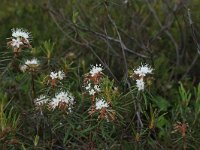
x=140, y=84
x=104, y=110
x=92, y=90
x=98, y=68
x=19, y=37
x=57, y=75
x=63, y=97
x=30, y=64
x=101, y=103
x=17, y=33
x=93, y=85
x=142, y=71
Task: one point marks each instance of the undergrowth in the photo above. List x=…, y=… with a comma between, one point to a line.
x=99, y=75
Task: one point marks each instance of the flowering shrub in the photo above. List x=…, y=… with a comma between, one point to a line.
x=122, y=77
x=20, y=39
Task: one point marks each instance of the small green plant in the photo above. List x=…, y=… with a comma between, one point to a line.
x=9, y=120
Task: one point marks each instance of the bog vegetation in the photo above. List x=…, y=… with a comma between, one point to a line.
x=106, y=74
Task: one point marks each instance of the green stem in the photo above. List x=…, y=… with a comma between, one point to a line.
x=33, y=86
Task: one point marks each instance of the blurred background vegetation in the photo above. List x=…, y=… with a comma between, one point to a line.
x=120, y=34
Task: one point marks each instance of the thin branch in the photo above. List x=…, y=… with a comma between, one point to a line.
x=139, y=121
x=166, y=31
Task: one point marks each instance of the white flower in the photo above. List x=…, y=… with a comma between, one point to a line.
x=96, y=69
x=65, y=97
x=97, y=88
x=23, y=68
x=92, y=92
x=92, y=89
x=16, y=43
x=61, y=75
x=54, y=75
x=143, y=70
x=41, y=100
x=18, y=33
x=140, y=84
x=30, y=64
x=57, y=75
x=101, y=103
x=88, y=87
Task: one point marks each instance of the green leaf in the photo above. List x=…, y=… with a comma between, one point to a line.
x=161, y=121
x=74, y=17
x=88, y=129
x=161, y=103
x=36, y=140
